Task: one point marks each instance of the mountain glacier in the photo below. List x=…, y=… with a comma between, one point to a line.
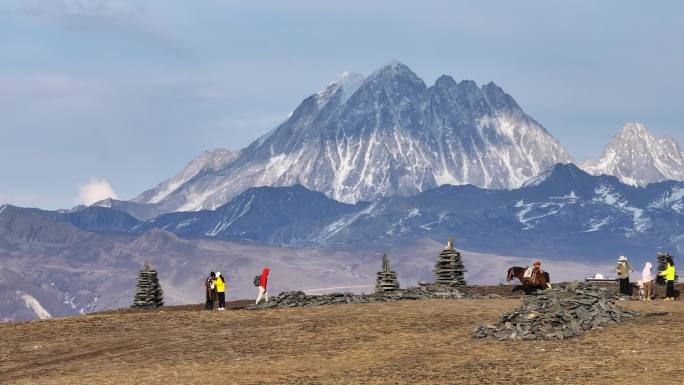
x=361, y=139
x=637, y=157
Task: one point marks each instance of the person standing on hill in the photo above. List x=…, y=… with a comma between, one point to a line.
x=263, y=281
x=623, y=269
x=209, y=291
x=221, y=291
x=647, y=280
x=669, y=275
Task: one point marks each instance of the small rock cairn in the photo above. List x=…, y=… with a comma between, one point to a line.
x=387, y=279
x=662, y=265
x=558, y=314
x=449, y=268
x=149, y=294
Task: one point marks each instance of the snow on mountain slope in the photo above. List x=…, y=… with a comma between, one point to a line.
x=637, y=157
x=33, y=305
x=386, y=134
x=207, y=162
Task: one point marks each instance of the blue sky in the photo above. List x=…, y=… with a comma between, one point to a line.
x=121, y=94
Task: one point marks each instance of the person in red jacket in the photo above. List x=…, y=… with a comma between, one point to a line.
x=263, y=281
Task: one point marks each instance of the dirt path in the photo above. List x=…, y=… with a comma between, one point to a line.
x=405, y=342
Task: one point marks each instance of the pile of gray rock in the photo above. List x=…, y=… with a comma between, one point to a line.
x=386, y=281
x=301, y=299
x=449, y=269
x=148, y=294
x=557, y=314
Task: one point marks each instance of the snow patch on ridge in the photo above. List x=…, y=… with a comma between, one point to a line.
x=673, y=199
x=606, y=195
x=33, y=305
x=531, y=214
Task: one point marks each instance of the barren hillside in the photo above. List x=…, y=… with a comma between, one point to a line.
x=403, y=342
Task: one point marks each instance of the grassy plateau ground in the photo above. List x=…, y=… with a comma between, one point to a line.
x=411, y=342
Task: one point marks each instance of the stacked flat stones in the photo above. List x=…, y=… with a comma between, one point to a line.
x=449, y=268
x=662, y=265
x=148, y=294
x=301, y=299
x=386, y=281
x=558, y=314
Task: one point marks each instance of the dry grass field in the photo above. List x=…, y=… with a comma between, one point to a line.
x=421, y=342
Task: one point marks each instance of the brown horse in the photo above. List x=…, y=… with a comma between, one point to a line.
x=536, y=282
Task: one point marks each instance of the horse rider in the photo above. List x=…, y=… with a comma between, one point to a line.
x=533, y=270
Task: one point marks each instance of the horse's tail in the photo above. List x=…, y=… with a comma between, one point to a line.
x=548, y=279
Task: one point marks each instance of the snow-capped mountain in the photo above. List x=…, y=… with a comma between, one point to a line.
x=386, y=134
x=637, y=157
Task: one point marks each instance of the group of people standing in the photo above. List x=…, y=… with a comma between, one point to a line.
x=623, y=269
x=215, y=287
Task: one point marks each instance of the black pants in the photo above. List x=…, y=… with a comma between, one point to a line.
x=625, y=288
x=209, y=305
x=222, y=300
x=669, y=292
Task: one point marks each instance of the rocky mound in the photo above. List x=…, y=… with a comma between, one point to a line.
x=560, y=313
x=299, y=298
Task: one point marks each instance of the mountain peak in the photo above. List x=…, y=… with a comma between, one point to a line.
x=558, y=172
x=392, y=136
x=638, y=157
x=633, y=128
x=394, y=69
x=500, y=100
x=348, y=82
x=445, y=81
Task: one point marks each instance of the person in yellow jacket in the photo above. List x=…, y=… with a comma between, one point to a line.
x=221, y=291
x=669, y=274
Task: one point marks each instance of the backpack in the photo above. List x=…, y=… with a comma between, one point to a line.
x=257, y=280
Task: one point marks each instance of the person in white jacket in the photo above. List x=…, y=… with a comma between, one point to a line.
x=647, y=278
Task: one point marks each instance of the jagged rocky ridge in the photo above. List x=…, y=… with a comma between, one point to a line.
x=563, y=213
x=637, y=157
x=558, y=314
x=361, y=139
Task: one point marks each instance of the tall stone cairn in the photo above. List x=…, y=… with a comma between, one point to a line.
x=148, y=294
x=449, y=268
x=387, y=279
x=662, y=265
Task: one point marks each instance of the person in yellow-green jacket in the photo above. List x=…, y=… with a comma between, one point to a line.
x=221, y=291
x=669, y=274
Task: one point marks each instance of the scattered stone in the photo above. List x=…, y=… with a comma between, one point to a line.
x=387, y=279
x=449, y=268
x=149, y=294
x=559, y=313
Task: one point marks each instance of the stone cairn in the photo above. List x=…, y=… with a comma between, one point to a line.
x=662, y=265
x=149, y=294
x=449, y=268
x=387, y=279
x=558, y=314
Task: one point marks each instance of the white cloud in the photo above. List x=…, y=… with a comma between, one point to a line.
x=95, y=190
